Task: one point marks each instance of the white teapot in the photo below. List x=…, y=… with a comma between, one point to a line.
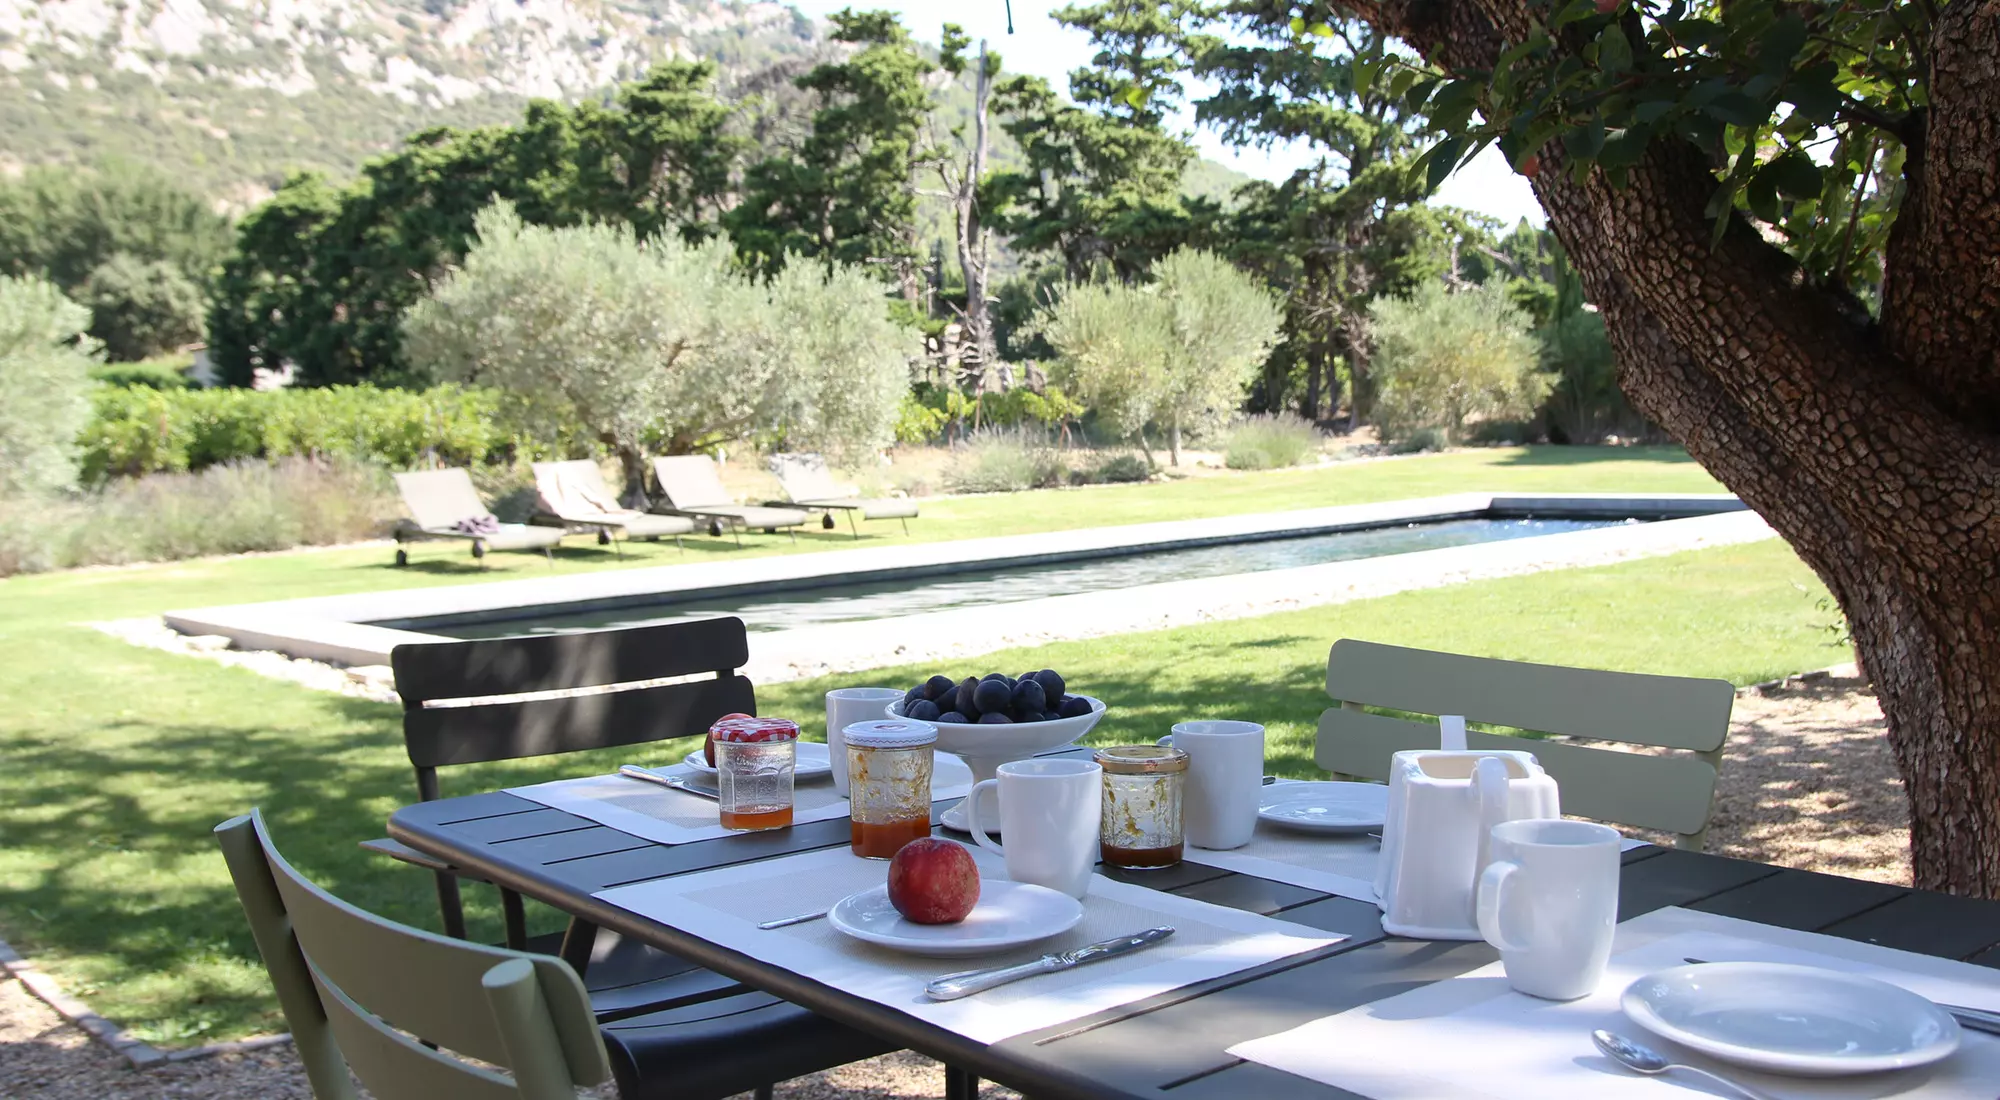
x=1442, y=806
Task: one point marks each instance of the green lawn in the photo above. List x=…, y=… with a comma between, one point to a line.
x=117, y=760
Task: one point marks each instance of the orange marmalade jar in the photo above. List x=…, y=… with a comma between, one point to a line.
x=888, y=784
x=754, y=762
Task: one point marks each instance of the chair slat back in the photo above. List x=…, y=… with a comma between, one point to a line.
x=1674, y=792
x=552, y=662
x=354, y=986
x=439, y=498
x=443, y=736
x=1674, y=712
x=806, y=477
x=691, y=481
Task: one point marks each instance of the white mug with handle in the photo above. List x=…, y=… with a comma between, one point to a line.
x=1549, y=902
x=1225, y=781
x=844, y=707
x=1049, y=813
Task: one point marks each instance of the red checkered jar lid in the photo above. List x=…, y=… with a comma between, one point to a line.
x=751, y=731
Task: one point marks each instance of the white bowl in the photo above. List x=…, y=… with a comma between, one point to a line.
x=985, y=747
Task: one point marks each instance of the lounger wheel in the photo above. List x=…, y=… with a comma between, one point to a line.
x=478, y=549
x=826, y=521
x=402, y=556
x=603, y=537
x=715, y=528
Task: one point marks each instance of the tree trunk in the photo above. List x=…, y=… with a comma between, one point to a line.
x=1873, y=448
x=633, y=462
x=972, y=235
x=1174, y=441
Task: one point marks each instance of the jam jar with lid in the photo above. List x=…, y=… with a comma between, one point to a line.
x=888, y=784
x=1141, y=826
x=754, y=762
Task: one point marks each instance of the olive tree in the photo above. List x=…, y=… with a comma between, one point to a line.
x=662, y=341
x=44, y=385
x=1177, y=353
x=1444, y=359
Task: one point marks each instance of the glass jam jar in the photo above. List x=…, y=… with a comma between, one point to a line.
x=1141, y=827
x=888, y=784
x=754, y=761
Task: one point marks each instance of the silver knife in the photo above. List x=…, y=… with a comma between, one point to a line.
x=1978, y=1019
x=950, y=987
x=666, y=779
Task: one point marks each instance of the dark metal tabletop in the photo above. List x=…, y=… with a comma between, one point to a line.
x=1172, y=1045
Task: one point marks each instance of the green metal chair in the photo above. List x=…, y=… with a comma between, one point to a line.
x=342, y=974
x=401, y=1008
x=1672, y=792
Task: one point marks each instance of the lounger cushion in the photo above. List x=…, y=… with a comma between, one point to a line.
x=870, y=507
x=644, y=525
x=511, y=536
x=751, y=515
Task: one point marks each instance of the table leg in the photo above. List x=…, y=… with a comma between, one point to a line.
x=960, y=1084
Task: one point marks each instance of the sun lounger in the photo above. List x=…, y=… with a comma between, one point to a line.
x=692, y=487
x=575, y=493
x=444, y=505
x=810, y=485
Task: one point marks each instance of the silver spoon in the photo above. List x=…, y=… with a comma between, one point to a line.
x=1646, y=1060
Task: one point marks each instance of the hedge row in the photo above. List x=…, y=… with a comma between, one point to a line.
x=137, y=430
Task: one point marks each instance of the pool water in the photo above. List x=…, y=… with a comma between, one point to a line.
x=835, y=603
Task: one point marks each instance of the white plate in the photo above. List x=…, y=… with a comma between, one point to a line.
x=1325, y=807
x=812, y=762
x=1009, y=914
x=1801, y=1020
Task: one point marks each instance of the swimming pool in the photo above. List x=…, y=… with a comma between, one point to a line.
x=788, y=606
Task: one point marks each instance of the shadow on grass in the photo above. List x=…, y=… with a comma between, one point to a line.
x=120, y=872
x=1584, y=456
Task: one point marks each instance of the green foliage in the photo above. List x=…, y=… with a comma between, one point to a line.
x=917, y=422
x=140, y=308
x=1585, y=404
x=665, y=345
x=162, y=372
x=932, y=410
x=1178, y=353
x=1121, y=467
x=1802, y=111
x=227, y=509
x=1445, y=359
x=1102, y=178
x=1270, y=442
x=323, y=272
x=45, y=367
x=848, y=194
x=139, y=430
x=1004, y=460
x=131, y=244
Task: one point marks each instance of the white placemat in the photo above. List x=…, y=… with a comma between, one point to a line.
x=1343, y=865
x=725, y=905
x=1501, y=1045
x=667, y=816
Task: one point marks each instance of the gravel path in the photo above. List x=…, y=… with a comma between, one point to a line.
x=1808, y=783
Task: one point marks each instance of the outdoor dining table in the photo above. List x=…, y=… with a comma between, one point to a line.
x=1173, y=1044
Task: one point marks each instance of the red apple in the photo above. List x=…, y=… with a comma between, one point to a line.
x=933, y=881
x=708, y=747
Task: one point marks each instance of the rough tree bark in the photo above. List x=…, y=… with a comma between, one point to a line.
x=972, y=234
x=1870, y=446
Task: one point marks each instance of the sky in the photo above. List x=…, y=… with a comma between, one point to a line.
x=1042, y=47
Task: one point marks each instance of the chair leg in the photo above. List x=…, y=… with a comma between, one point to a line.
x=449, y=906
x=851, y=525
x=906, y=526
x=960, y=1084
x=516, y=915
x=577, y=943
x=764, y=1092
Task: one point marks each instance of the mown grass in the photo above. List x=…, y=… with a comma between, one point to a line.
x=118, y=760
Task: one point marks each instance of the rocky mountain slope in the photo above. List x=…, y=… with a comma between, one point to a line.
x=232, y=93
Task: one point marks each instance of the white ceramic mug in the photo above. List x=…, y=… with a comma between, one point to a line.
x=1049, y=811
x=1225, y=781
x=844, y=707
x=1549, y=902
